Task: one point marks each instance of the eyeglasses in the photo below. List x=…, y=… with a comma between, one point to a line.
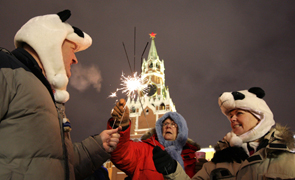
x=171, y=124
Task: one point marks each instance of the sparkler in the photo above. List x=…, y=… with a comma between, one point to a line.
x=130, y=85
x=113, y=94
x=133, y=84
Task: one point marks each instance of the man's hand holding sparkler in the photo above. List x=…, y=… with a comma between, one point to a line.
x=120, y=114
x=110, y=138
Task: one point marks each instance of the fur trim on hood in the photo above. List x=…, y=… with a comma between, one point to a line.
x=284, y=136
x=182, y=129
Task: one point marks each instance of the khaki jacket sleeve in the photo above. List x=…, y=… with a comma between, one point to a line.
x=5, y=95
x=89, y=156
x=179, y=174
x=204, y=173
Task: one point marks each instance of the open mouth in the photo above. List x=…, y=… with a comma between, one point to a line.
x=237, y=125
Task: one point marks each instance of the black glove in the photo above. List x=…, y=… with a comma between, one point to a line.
x=164, y=163
x=230, y=154
x=199, y=164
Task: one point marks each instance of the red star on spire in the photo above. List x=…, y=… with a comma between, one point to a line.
x=153, y=35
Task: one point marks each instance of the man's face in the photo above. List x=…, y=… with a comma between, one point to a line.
x=69, y=57
x=169, y=129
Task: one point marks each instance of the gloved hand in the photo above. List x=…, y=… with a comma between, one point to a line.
x=199, y=164
x=120, y=110
x=163, y=162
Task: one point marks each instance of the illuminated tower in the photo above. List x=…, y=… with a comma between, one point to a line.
x=145, y=110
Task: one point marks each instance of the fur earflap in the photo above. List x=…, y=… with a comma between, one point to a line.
x=46, y=34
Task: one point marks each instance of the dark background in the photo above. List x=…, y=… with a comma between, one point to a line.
x=208, y=47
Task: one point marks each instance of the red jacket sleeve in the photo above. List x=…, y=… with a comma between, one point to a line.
x=130, y=155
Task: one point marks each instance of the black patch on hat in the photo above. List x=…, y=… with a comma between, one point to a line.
x=257, y=91
x=64, y=15
x=78, y=31
x=238, y=95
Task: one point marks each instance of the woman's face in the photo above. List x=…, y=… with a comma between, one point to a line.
x=169, y=129
x=242, y=121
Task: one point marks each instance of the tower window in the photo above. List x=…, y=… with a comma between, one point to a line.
x=151, y=65
x=132, y=110
x=162, y=106
x=158, y=65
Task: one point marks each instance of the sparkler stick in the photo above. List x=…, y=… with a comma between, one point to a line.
x=127, y=57
x=166, y=170
x=143, y=53
x=114, y=123
x=134, y=45
x=121, y=117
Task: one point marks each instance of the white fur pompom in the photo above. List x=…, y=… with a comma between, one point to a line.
x=228, y=136
x=59, y=81
x=61, y=96
x=235, y=141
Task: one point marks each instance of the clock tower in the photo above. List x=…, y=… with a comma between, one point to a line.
x=146, y=109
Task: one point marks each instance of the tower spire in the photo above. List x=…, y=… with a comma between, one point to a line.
x=153, y=51
x=150, y=106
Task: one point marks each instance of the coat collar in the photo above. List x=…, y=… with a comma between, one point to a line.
x=25, y=57
x=278, y=139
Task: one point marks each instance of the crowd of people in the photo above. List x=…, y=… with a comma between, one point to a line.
x=35, y=140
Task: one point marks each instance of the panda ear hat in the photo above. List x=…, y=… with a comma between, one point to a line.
x=249, y=100
x=46, y=34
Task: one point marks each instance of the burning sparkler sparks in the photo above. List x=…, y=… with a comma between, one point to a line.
x=113, y=94
x=130, y=85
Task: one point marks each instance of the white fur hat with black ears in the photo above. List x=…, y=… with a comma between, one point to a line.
x=46, y=34
x=249, y=100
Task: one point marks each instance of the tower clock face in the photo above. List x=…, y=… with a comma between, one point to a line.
x=150, y=90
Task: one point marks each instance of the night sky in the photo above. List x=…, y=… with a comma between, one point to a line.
x=208, y=47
